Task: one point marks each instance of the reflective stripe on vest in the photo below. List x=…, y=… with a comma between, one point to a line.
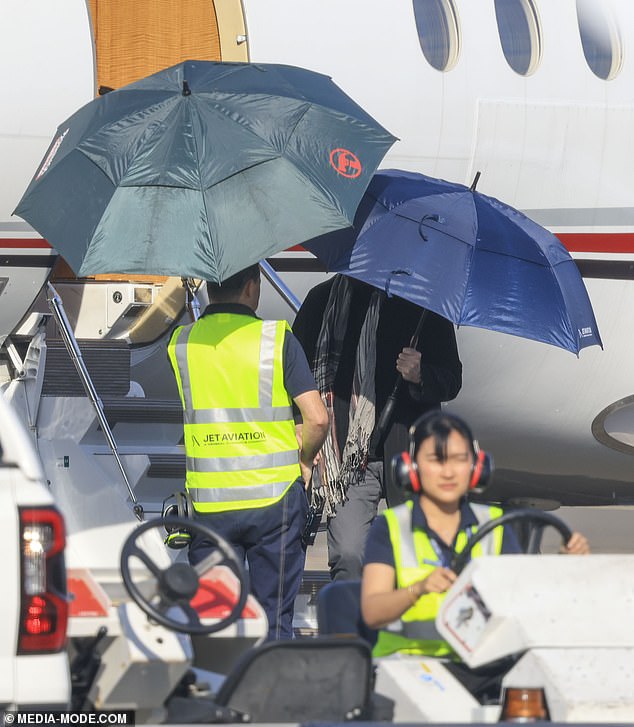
x=240, y=444
x=218, y=416
x=414, y=557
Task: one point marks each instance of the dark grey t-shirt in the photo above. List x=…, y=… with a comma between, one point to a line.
x=298, y=377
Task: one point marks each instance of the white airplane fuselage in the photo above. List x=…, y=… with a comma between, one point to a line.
x=554, y=143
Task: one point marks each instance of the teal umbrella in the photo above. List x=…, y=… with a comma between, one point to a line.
x=202, y=169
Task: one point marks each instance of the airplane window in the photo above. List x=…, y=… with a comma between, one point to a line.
x=518, y=27
x=600, y=39
x=437, y=26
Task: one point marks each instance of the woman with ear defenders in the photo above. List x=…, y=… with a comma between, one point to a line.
x=410, y=547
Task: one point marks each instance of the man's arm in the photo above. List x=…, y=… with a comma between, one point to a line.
x=312, y=421
x=313, y=430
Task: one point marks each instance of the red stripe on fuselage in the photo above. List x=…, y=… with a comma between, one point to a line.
x=610, y=242
x=25, y=244
x=613, y=242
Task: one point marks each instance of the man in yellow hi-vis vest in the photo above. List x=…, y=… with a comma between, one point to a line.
x=247, y=465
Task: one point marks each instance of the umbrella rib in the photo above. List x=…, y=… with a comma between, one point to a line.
x=383, y=219
x=482, y=248
x=218, y=108
x=212, y=242
x=319, y=189
x=171, y=108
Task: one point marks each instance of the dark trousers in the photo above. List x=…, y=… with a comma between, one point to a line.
x=270, y=538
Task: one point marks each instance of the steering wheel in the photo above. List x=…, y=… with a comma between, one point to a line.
x=525, y=515
x=177, y=584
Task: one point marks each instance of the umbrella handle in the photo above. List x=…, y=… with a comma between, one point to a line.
x=384, y=419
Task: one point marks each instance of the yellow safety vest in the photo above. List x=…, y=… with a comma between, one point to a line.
x=240, y=442
x=414, y=557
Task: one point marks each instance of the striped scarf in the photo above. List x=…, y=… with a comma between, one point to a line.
x=337, y=471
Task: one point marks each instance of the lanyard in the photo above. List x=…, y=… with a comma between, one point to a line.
x=438, y=550
x=443, y=559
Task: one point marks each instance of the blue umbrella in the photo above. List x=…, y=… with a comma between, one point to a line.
x=468, y=257
x=202, y=169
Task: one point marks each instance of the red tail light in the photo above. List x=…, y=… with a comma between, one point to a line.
x=44, y=606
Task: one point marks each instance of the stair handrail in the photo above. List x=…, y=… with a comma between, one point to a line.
x=279, y=285
x=57, y=308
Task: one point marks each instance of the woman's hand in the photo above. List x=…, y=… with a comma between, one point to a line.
x=577, y=545
x=382, y=602
x=438, y=581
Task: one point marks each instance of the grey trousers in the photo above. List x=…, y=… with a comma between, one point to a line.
x=348, y=529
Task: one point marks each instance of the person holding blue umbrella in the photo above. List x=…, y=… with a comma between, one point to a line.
x=358, y=342
x=453, y=252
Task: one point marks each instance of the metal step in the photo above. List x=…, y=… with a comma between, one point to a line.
x=312, y=582
x=305, y=618
x=108, y=363
x=166, y=466
x=141, y=410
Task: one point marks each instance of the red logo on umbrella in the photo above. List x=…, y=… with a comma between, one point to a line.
x=346, y=163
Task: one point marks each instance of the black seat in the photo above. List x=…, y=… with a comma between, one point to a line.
x=325, y=679
x=339, y=611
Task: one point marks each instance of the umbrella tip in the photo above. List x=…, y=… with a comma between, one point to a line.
x=186, y=90
x=474, y=184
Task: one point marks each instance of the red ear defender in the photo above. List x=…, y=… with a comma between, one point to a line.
x=405, y=472
x=482, y=470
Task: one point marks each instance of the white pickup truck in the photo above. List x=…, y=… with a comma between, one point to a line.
x=34, y=671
